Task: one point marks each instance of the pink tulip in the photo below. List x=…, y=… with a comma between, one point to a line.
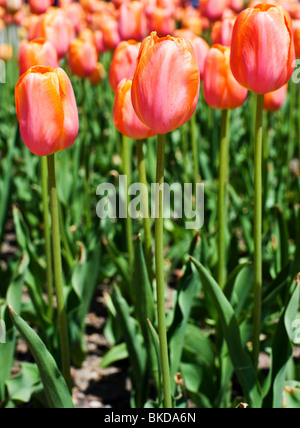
x=165, y=88
x=46, y=110
x=132, y=21
x=125, y=118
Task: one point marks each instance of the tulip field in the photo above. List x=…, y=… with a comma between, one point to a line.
x=149, y=204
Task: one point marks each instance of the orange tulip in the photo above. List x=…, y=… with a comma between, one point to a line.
x=296, y=32
x=274, y=100
x=6, y=52
x=125, y=118
x=110, y=31
x=200, y=46
x=37, y=52
x=97, y=75
x=262, y=48
x=220, y=89
x=132, y=21
x=162, y=21
x=82, y=57
x=123, y=64
x=222, y=32
x=201, y=50
x=46, y=110
x=55, y=27
x=40, y=6
x=213, y=9
x=166, y=83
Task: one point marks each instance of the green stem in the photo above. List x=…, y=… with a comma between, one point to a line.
x=145, y=203
x=85, y=148
x=195, y=151
x=222, y=203
x=258, y=228
x=127, y=171
x=58, y=277
x=47, y=236
x=160, y=282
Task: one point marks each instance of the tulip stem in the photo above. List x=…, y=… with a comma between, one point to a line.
x=58, y=277
x=195, y=150
x=127, y=171
x=222, y=209
x=145, y=204
x=258, y=151
x=47, y=236
x=160, y=281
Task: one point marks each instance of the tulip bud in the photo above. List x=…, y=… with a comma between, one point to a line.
x=46, y=110
x=123, y=64
x=37, y=52
x=82, y=57
x=165, y=88
x=262, y=48
x=220, y=89
x=125, y=118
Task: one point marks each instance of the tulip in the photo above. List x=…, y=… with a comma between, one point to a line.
x=37, y=52
x=213, y=9
x=262, y=60
x=201, y=50
x=166, y=83
x=123, y=64
x=262, y=49
x=297, y=39
x=236, y=5
x=55, y=27
x=6, y=52
x=125, y=118
x=97, y=75
x=14, y=5
x=162, y=21
x=82, y=57
x=40, y=6
x=274, y=100
x=110, y=31
x=222, y=31
x=132, y=21
x=220, y=89
x=46, y=110
x=99, y=41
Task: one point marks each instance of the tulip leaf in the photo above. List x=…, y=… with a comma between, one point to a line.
x=57, y=393
x=240, y=359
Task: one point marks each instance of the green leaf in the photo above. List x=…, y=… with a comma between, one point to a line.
x=144, y=302
x=240, y=359
x=13, y=297
x=187, y=289
x=115, y=354
x=136, y=351
x=56, y=391
x=25, y=384
x=282, y=351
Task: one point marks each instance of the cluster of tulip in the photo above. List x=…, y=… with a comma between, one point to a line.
x=157, y=80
